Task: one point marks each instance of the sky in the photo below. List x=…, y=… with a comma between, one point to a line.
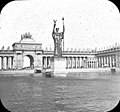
x=88, y=23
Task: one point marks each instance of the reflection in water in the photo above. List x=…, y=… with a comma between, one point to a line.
x=83, y=92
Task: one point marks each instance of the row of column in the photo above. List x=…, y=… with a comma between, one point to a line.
x=46, y=61
x=107, y=61
x=72, y=62
x=6, y=62
x=79, y=62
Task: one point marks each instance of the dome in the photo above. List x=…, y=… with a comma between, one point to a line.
x=27, y=40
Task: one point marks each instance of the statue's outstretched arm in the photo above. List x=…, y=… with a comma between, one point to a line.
x=54, y=25
x=63, y=28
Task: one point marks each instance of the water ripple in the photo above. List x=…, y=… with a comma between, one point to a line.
x=88, y=93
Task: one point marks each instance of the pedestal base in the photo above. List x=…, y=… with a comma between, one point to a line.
x=58, y=65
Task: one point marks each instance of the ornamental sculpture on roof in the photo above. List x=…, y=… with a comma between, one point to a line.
x=26, y=35
x=2, y=48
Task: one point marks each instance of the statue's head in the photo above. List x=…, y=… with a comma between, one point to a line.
x=57, y=29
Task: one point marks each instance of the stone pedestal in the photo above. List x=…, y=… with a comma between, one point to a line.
x=58, y=66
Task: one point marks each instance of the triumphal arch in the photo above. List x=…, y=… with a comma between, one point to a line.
x=26, y=47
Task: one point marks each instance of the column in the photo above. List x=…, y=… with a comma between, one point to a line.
x=6, y=62
x=96, y=63
x=43, y=61
x=0, y=62
x=117, y=60
x=71, y=62
x=92, y=64
x=99, y=62
x=89, y=64
x=80, y=62
x=49, y=62
x=83, y=62
x=46, y=62
x=86, y=63
x=76, y=62
x=108, y=61
x=66, y=62
x=11, y=62
x=111, y=61
x=102, y=61
x=115, y=57
x=105, y=58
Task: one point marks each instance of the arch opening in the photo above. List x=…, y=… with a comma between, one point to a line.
x=28, y=62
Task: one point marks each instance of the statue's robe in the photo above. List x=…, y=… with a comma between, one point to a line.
x=57, y=43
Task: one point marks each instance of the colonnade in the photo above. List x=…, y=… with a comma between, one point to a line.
x=6, y=62
x=71, y=62
x=91, y=64
x=109, y=61
x=79, y=62
x=46, y=61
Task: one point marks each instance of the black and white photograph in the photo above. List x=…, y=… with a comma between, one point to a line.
x=60, y=56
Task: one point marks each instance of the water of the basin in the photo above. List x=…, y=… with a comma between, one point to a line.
x=77, y=93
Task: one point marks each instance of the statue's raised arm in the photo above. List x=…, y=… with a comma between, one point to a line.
x=63, y=25
x=63, y=28
x=54, y=25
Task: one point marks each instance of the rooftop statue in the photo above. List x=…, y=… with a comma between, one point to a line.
x=2, y=48
x=26, y=35
x=8, y=48
x=46, y=49
x=50, y=49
